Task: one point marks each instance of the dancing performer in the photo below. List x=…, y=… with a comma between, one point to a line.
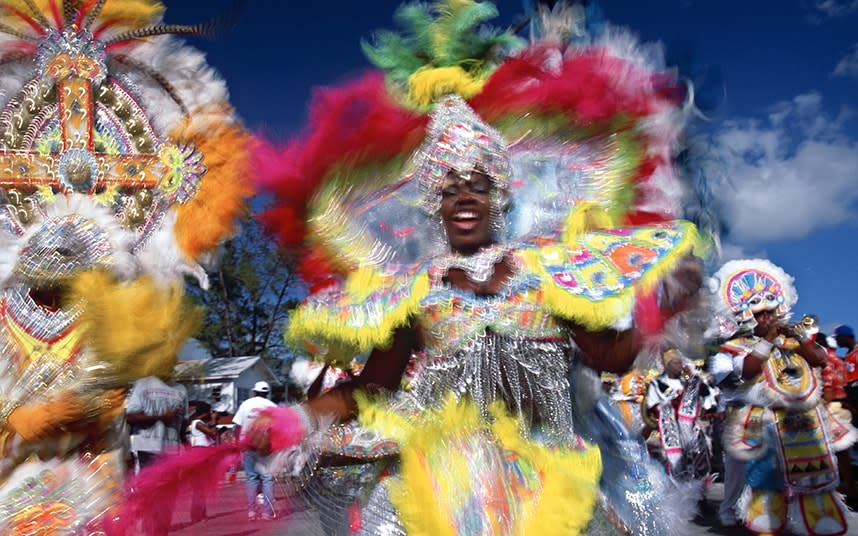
x=675, y=402
x=481, y=258
x=470, y=214
x=107, y=134
x=784, y=433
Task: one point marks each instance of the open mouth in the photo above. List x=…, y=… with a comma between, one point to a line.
x=48, y=298
x=466, y=220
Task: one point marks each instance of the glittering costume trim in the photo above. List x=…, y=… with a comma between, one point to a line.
x=592, y=282
x=501, y=484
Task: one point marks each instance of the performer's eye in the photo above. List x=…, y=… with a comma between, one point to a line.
x=450, y=191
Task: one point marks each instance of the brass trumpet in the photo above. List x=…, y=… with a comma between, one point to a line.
x=805, y=327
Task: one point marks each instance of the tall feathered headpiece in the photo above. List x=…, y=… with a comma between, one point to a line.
x=749, y=286
x=99, y=103
x=596, y=121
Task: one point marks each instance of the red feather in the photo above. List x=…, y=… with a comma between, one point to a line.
x=55, y=13
x=103, y=27
x=198, y=469
x=26, y=18
x=160, y=483
x=354, y=125
x=591, y=87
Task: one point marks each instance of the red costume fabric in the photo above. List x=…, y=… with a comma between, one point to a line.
x=851, y=361
x=835, y=375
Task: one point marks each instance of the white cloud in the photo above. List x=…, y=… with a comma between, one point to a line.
x=787, y=175
x=828, y=9
x=848, y=66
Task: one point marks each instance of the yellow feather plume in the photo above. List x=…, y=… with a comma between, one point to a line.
x=137, y=327
x=132, y=13
x=209, y=218
x=434, y=486
x=121, y=14
x=344, y=338
x=428, y=84
x=583, y=218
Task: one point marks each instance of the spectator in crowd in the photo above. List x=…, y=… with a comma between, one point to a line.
x=256, y=463
x=201, y=433
x=845, y=337
x=835, y=375
x=156, y=410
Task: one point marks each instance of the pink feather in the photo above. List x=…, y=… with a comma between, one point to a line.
x=287, y=427
x=198, y=469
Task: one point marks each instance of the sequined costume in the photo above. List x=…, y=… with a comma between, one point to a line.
x=511, y=348
x=784, y=433
x=674, y=407
x=495, y=429
x=104, y=165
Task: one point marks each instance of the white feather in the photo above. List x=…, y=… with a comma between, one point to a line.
x=14, y=75
x=196, y=82
x=163, y=259
x=124, y=264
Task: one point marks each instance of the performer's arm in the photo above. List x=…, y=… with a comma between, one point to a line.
x=610, y=350
x=384, y=369
x=142, y=418
x=813, y=353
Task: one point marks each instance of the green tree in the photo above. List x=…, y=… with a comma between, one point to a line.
x=251, y=292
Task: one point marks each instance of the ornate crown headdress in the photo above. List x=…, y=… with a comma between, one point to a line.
x=748, y=286
x=559, y=124
x=105, y=120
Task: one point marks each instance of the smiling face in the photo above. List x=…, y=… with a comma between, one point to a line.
x=466, y=211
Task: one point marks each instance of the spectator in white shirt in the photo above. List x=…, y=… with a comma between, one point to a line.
x=256, y=470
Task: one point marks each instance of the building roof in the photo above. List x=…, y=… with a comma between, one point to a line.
x=222, y=368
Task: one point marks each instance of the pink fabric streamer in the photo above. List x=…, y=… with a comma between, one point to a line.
x=197, y=468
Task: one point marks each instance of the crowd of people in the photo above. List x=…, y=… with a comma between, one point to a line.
x=487, y=226
x=684, y=409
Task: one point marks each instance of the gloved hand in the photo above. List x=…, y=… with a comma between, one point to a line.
x=38, y=421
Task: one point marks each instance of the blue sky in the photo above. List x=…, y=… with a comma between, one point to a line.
x=785, y=135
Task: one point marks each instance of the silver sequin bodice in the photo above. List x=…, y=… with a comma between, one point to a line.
x=496, y=348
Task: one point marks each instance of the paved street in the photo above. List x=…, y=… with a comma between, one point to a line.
x=228, y=517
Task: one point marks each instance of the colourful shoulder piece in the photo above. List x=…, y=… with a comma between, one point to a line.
x=592, y=279
x=342, y=321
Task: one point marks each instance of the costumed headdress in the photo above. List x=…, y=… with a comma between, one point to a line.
x=749, y=286
x=459, y=141
x=117, y=141
x=122, y=168
x=591, y=123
